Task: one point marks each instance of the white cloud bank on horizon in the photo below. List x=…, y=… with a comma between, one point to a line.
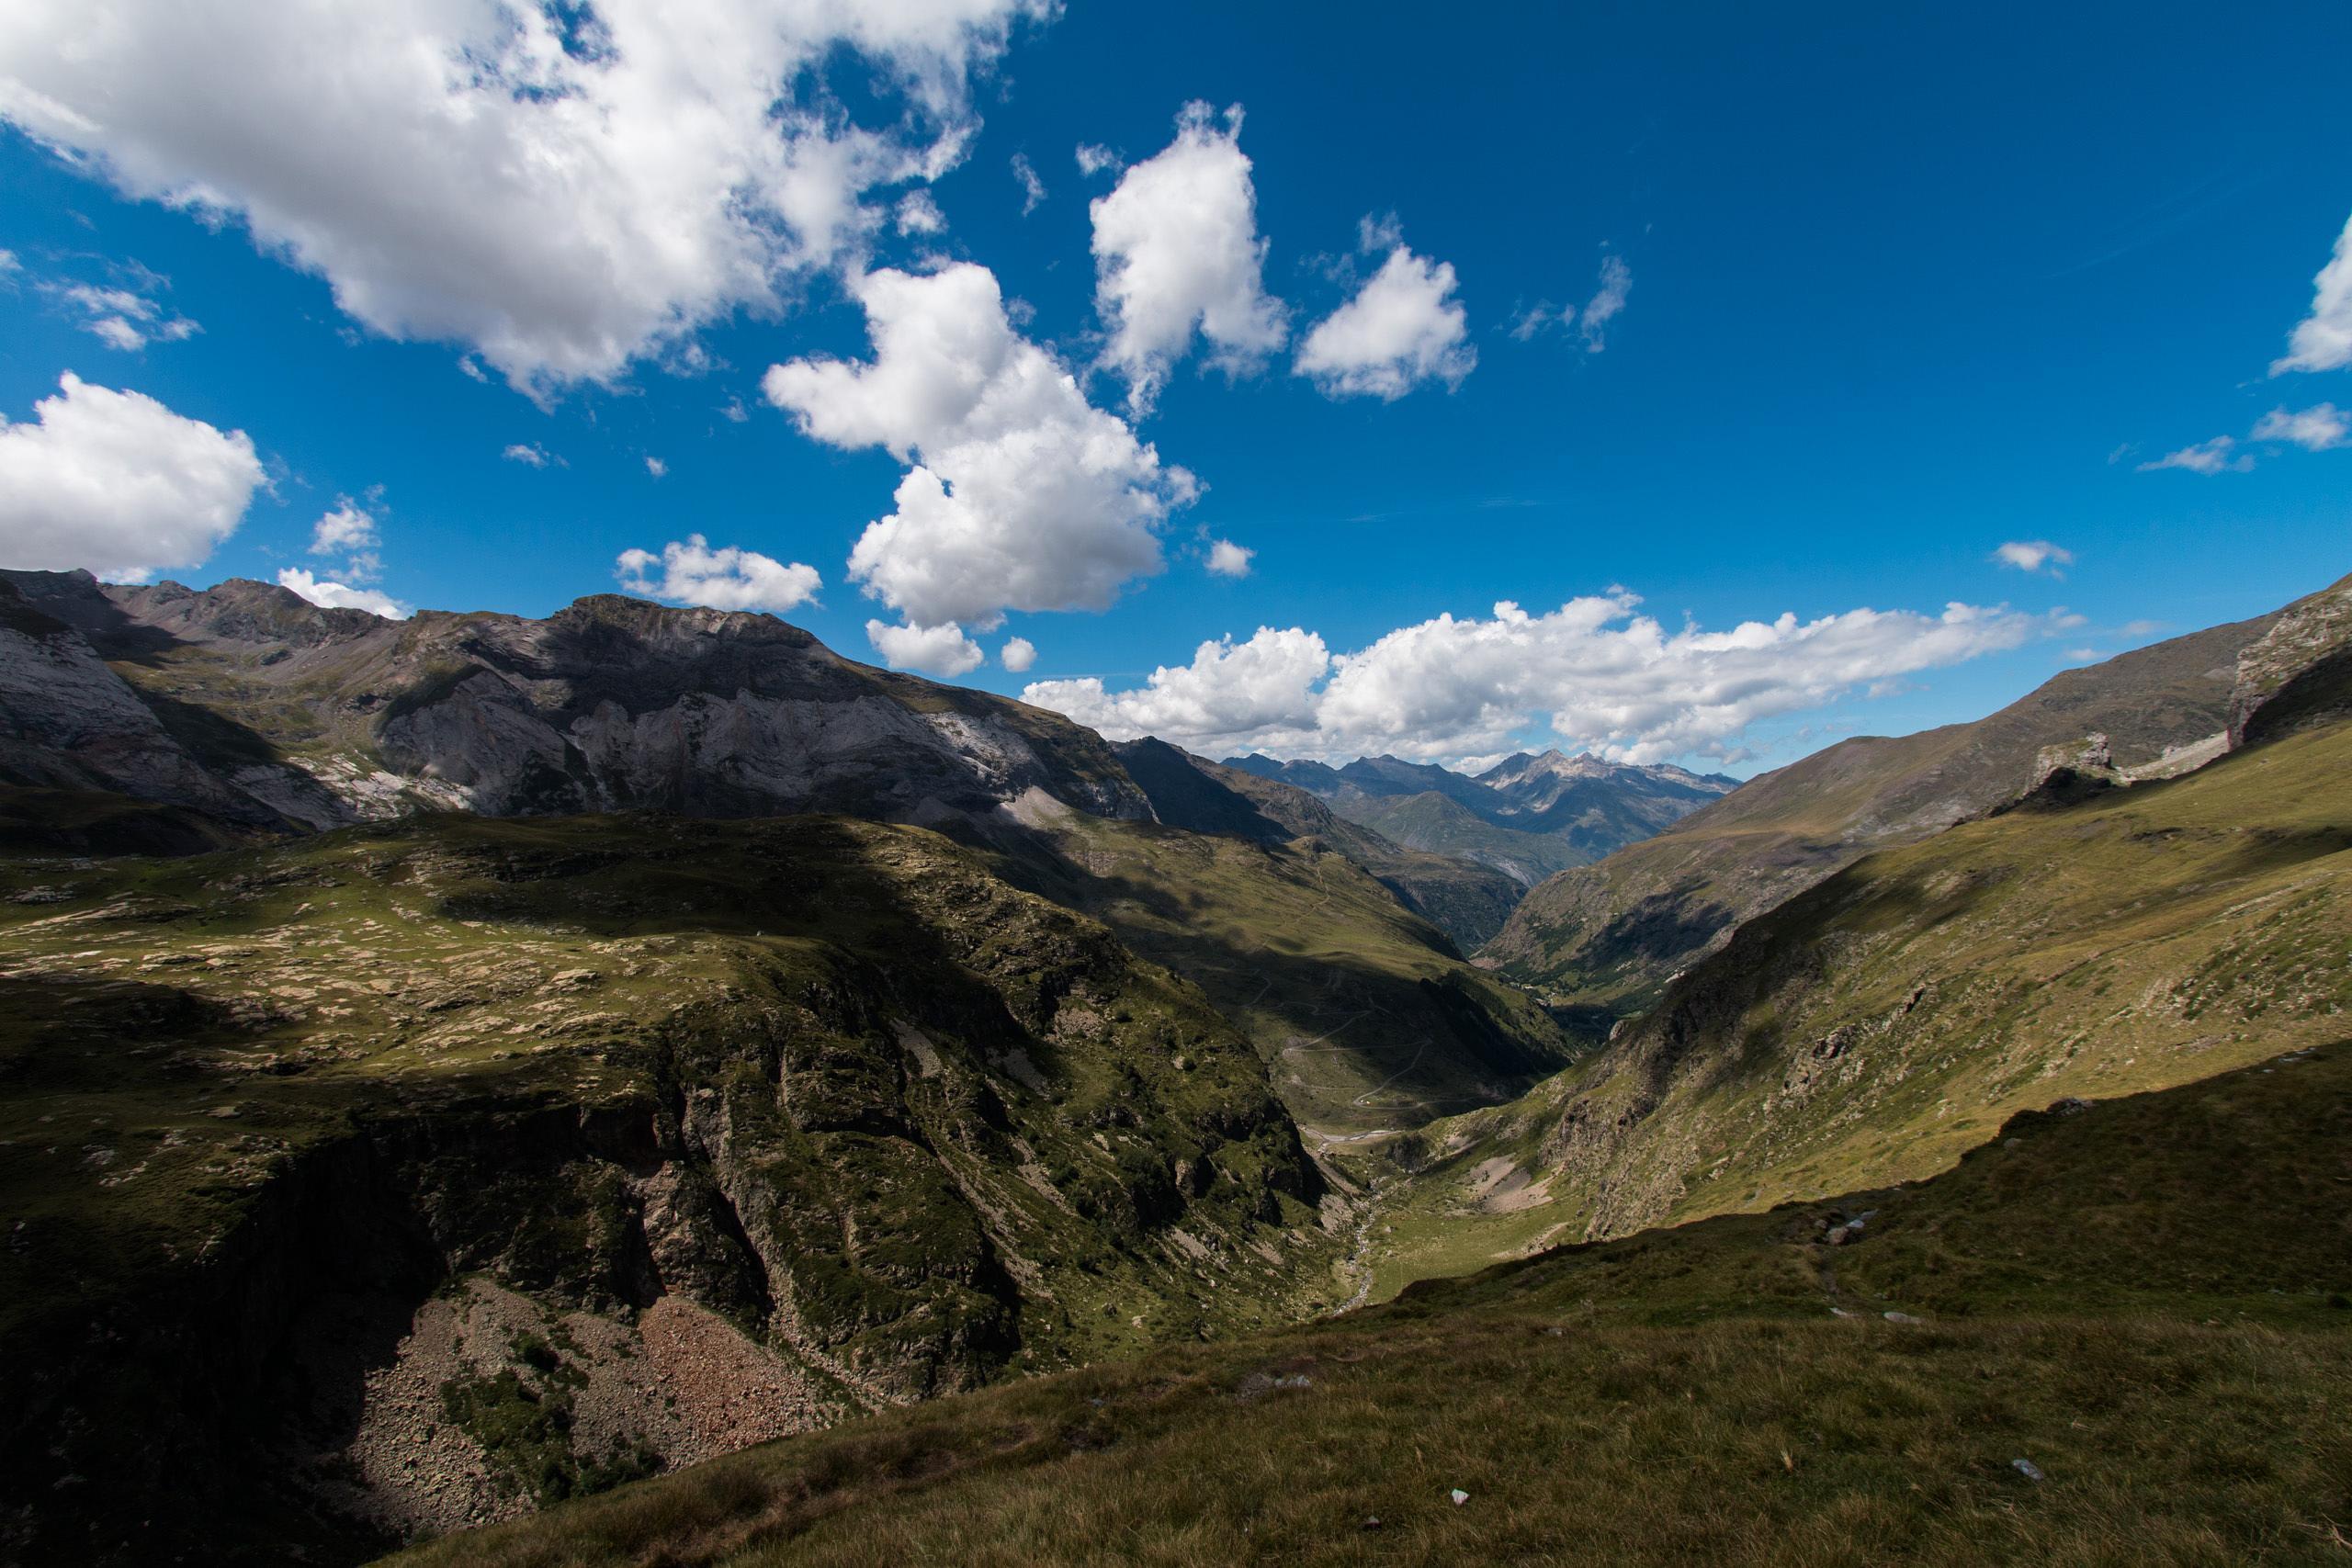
x=1404, y=327
x=2322, y=340
x=118, y=484
x=332, y=595
x=567, y=191
x=1176, y=249
x=1603, y=676
x=1019, y=494
x=729, y=578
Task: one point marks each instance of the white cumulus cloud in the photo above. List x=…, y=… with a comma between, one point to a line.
x=941, y=650
x=531, y=455
x=118, y=484
x=2322, y=340
x=566, y=189
x=1094, y=158
x=342, y=595
x=2033, y=555
x=349, y=531
x=1229, y=559
x=1176, y=249
x=1596, y=672
x=2319, y=428
x=1018, y=654
x=1018, y=495
x=1404, y=327
x=1265, y=686
x=346, y=528
x=726, y=579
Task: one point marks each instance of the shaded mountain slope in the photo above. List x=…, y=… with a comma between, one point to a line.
x=1366, y=1015
x=1611, y=935
x=1467, y=902
x=404, y=1176
x=1877, y=1025
x=2119, y=1335
x=72, y=733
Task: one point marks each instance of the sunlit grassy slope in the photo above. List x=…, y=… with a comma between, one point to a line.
x=2144, y=1300
x=1876, y=1027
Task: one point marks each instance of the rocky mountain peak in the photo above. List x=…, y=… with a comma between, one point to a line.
x=248, y=703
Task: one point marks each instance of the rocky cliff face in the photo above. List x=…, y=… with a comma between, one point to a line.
x=293, y=715
x=409, y=1176
x=69, y=723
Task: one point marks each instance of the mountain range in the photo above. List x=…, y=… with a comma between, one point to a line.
x=456, y=1067
x=1527, y=817
x=2002, y=1174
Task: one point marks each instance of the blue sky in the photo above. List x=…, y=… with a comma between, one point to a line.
x=1899, y=290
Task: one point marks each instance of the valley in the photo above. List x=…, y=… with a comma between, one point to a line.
x=1024, y=784
x=457, y=1068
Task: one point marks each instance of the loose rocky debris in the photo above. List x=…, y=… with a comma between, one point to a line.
x=1257, y=1385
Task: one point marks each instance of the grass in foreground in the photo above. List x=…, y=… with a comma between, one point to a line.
x=2144, y=1300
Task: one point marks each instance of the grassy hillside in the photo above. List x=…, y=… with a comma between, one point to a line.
x=408, y=1176
x=1366, y=1016
x=1874, y=1028
x=1611, y=935
x=2119, y=1335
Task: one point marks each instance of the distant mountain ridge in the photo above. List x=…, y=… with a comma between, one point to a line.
x=1528, y=817
x=1610, y=936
